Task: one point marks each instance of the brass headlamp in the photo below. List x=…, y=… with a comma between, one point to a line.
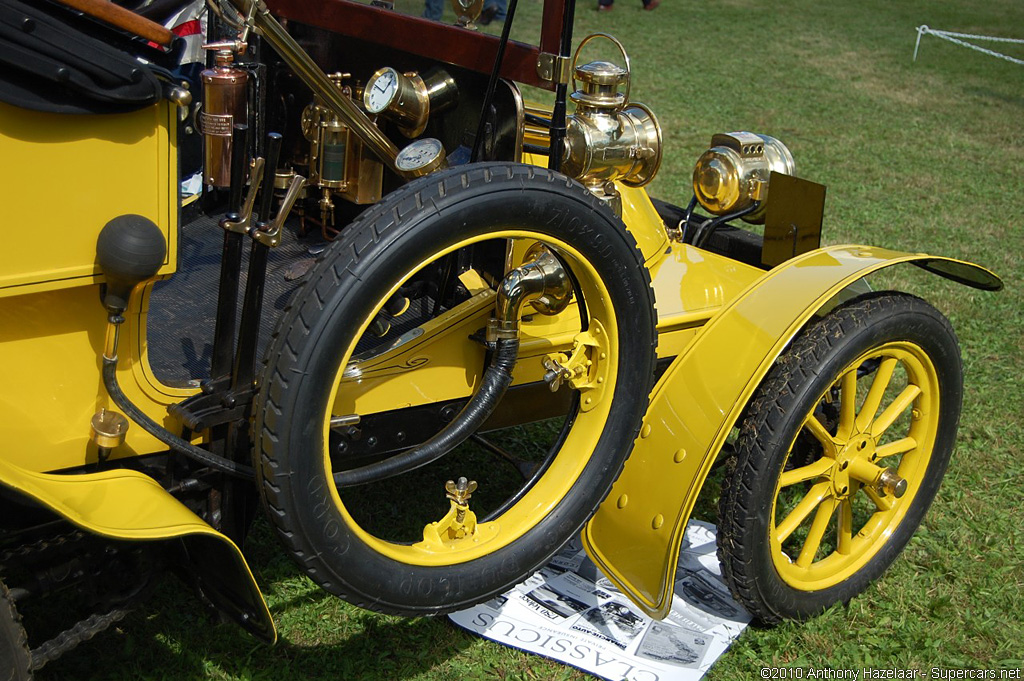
x=733, y=174
x=609, y=138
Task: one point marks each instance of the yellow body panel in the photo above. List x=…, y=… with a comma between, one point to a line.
x=127, y=505
x=52, y=324
x=51, y=344
x=634, y=536
x=65, y=176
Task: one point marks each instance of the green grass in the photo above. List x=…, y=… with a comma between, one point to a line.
x=922, y=156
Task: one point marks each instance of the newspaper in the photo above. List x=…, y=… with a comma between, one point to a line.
x=570, y=612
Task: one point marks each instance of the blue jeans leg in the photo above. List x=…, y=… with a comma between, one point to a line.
x=433, y=9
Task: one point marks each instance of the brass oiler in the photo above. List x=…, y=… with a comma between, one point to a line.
x=733, y=174
x=224, y=104
x=609, y=138
x=338, y=159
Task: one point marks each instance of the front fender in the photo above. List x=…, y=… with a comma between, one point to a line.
x=635, y=535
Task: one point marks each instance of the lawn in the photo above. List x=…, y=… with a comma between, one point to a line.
x=925, y=156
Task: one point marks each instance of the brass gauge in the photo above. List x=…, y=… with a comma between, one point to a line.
x=409, y=99
x=421, y=157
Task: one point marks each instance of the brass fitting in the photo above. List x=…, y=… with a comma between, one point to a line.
x=541, y=280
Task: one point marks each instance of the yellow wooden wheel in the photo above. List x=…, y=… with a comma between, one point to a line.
x=840, y=455
x=833, y=514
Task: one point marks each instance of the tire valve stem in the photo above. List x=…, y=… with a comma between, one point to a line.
x=460, y=492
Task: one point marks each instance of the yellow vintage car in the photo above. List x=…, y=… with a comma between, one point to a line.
x=430, y=330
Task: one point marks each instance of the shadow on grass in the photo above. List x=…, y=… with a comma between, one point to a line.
x=171, y=636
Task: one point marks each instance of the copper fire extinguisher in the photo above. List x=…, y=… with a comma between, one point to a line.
x=224, y=105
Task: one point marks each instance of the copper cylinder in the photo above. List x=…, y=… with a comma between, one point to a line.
x=224, y=104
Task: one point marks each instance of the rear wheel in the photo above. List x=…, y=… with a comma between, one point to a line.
x=346, y=347
x=840, y=456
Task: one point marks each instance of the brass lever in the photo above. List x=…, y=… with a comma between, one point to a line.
x=244, y=222
x=271, y=236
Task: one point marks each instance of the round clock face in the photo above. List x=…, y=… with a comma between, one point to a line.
x=381, y=89
x=419, y=154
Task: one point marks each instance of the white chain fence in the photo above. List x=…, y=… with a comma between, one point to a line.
x=961, y=39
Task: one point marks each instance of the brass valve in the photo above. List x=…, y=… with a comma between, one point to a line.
x=734, y=173
x=609, y=138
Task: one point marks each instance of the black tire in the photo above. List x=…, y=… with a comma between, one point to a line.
x=15, y=656
x=383, y=247
x=762, y=523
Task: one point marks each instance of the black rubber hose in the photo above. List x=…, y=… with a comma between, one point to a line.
x=705, y=231
x=495, y=382
x=171, y=440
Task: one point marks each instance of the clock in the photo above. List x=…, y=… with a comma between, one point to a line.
x=409, y=99
x=381, y=90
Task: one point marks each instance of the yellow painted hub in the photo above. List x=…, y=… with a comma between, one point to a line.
x=830, y=516
x=567, y=464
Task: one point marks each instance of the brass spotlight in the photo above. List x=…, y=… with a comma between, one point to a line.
x=733, y=174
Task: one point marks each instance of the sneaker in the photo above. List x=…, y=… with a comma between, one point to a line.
x=606, y=8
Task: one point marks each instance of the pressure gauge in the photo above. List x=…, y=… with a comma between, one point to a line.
x=381, y=90
x=421, y=157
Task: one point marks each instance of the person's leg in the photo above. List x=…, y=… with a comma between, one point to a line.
x=604, y=5
x=433, y=9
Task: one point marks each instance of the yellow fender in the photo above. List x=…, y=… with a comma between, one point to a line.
x=635, y=535
x=127, y=505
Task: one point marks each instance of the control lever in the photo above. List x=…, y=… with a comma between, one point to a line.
x=265, y=234
x=242, y=220
x=235, y=223
x=270, y=235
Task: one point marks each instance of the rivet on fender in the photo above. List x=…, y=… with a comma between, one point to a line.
x=679, y=455
x=658, y=521
x=622, y=501
x=646, y=431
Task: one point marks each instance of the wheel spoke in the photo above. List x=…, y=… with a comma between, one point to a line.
x=818, y=431
x=901, y=446
x=844, y=529
x=816, y=533
x=881, y=502
x=893, y=411
x=847, y=404
x=875, y=393
x=804, y=473
x=802, y=510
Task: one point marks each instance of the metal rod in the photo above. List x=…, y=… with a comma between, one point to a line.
x=561, y=92
x=493, y=81
x=307, y=70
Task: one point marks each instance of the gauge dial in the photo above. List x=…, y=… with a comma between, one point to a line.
x=381, y=89
x=421, y=157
